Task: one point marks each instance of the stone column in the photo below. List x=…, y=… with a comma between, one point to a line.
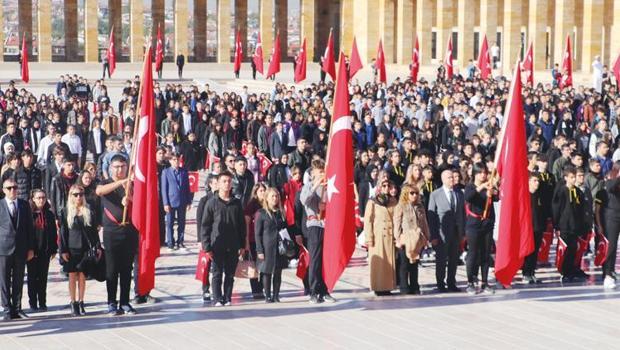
x=91, y=34
x=405, y=23
x=592, y=33
x=347, y=31
x=366, y=28
x=445, y=22
x=136, y=30
x=564, y=25
x=71, y=32
x=200, y=30
x=386, y=28
x=511, y=35
x=266, y=27
x=44, y=29
x=614, y=41
x=308, y=26
x=537, y=31
x=2, y=35
x=466, y=32
x=488, y=20
x=577, y=43
x=281, y=21
x=223, y=31
x=424, y=24
x=115, y=20
x=24, y=13
x=241, y=23
x=157, y=13
x=181, y=13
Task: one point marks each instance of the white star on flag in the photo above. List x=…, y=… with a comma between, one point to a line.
x=331, y=187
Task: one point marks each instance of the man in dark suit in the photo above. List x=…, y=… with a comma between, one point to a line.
x=177, y=198
x=96, y=141
x=278, y=142
x=17, y=242
x=446, y=217
x=180, y=64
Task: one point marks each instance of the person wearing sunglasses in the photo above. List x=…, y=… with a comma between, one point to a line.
x=411, y=235
x=17, y=244
x=78, y=234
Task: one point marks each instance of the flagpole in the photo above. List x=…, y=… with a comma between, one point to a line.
x=331, y=123
x=132, y=157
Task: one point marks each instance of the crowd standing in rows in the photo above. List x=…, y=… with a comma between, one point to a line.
x=424, y=155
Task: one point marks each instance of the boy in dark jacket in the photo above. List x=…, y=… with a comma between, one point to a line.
x=538, y=226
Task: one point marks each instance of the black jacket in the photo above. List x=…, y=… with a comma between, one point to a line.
x=26, y=179
x=46, y=236
x=538, y=218
x=266, y=229
x=59, y=192
x=90, y=146
x=242, y=186
x=223, y=226
x=78, y=236
x=569, y=210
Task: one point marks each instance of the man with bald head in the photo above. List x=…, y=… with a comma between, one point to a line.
x=446, y=218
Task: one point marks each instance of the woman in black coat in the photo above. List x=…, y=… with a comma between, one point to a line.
x=269, y=221
x=45, y=249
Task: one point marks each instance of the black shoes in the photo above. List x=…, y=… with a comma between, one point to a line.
x=128, y=309
x=75, y=309
x=82, y=310
x=442, y=289
x=113, y=310
x=454, y=289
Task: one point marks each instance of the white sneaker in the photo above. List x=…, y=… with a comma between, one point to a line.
x=609, y=283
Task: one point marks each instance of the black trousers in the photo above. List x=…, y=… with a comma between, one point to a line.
x=12, y=271
x=106, y=67
x=612, y=230
x=446, y=254
x=159, y=73
x=224, y=265
x=254, y=73
x=38, y=269
x=255, y=283
x=315, y=271
x=568, y=266
x=272, y=279
x=180, y=71
x=478, y=255
x=529, y=265
x=408, y=273
x=120, y=250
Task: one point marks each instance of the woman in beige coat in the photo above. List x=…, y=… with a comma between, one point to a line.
x=411, y=234
x=380, y=239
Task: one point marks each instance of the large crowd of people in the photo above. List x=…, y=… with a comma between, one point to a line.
x=424, y=156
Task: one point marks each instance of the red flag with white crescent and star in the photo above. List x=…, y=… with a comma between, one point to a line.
x=238, y=52
x=329, y=57
x=159, y=50
x=25, y=73
x=258, y=55
x=528, y=66
x=484, y=60
x=274, y=62
x=448, y=60
x=111, y=52
x=145, y=203
x=415, y=62
x=380, y=63
x=355, y=64
x=567, y=65
x=300, y=66
x=339, y=239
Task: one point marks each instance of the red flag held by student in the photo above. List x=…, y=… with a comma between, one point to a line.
x=25, y=73
x=528, y=66
x=415, y=62
x=159, y=50
x=238, y=52
x=303, y=262
x=300, y=67
x=448, y=60
x=380, y=63
x=601, y=250
x=484, y=60
x=560, y=254
x=515, y=240
x=616, y=69
x=339, y=241
x=274, y=62
x=202, y=267
x=111, y=52
x=194, y=177
x=567, y=66
x=258, y=55
x=329, y=58
x=145, y=209
x=264, y=162
x=355, y=63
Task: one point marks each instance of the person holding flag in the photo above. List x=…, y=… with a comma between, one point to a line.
x=159, y=54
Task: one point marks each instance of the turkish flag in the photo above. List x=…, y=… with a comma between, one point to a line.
x=111, y=52
x=238, y=52
x=159, y=50
x=616, y=69
x=145, y=210
x=329, y=58
x=339, y=239
x=545, y=247
x=274, y=62
x=515, y=240
x=210, y=160
x=300, y=67
x=303, y=262
x=528, y=66
x=194, y=176
x=355, y=64
x=601, y=250
x=380, y=63
x=258, y=55
x=560, y=254
x=244, y=148
x=567, y=66
x=202, y=267
x=484, y=60
x=25, y=73
x=265, y=163
x=448, y=60
x=582, y=246
x=415, y=62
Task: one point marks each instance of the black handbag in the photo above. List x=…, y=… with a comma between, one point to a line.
x=286, y=247
x=93, y=266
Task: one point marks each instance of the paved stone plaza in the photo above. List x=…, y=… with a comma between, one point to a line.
x=550, y=315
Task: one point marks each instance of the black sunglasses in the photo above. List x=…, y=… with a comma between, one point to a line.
x=78, y=194
x=413, y=193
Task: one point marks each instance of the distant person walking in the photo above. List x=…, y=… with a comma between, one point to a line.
x=106, y=65
x=180, y=64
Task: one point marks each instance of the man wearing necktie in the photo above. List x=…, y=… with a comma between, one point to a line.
x=176, y=198
x=446, y=218
x=17, y=242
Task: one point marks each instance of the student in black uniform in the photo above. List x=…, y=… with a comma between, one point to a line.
x=568, y=216
x=120, y=241
x=546, y=187
x=479, y=227
x=395, y=169
x=611, y=214
x=210, y=191
x=538, y=226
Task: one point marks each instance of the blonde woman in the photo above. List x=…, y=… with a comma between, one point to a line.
x=413, y=176
x=411, y=234
x=269, y=221
x=77, y=235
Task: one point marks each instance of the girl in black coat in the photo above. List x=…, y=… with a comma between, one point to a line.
x=45, y=249
x=269, y=221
